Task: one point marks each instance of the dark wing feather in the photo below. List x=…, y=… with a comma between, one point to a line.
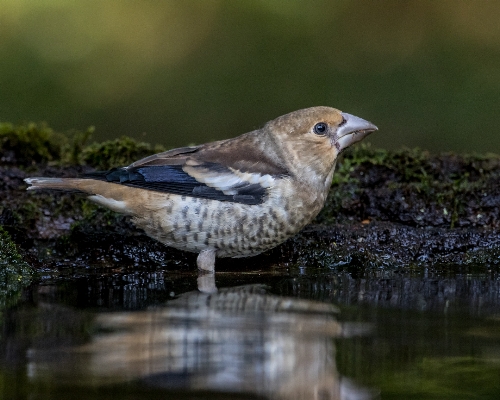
x=173, y=179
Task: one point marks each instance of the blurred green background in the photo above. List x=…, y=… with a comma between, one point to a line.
x=185, y=71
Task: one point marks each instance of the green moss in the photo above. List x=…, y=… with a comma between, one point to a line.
x=30, y=143
x=91, y=213
x=118, y=152
x=15, y=273
x=415, y=187
x=72, y=152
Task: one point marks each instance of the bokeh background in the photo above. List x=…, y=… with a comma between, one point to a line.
x=426, y=72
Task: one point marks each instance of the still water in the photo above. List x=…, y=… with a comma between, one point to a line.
x=285, y=333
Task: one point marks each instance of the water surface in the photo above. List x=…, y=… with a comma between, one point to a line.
x=291, y=333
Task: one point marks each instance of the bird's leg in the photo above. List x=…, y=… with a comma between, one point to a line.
x=206, y=271
x=206, y=260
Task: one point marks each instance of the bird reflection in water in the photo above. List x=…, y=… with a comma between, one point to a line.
x=240, y=340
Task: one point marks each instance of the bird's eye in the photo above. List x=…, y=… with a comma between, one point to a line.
x=320, y=128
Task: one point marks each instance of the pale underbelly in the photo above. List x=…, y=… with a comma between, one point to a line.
x=232, y=229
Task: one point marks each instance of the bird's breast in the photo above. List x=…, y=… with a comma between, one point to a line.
x=232, y=229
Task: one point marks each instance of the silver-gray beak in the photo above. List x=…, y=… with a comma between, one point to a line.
x=352, y=130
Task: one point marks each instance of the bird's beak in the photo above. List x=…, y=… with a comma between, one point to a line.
x=352, y=130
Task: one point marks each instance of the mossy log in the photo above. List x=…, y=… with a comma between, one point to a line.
x=404, y=209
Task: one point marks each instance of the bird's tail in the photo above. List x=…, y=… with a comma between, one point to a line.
x=111, y=195
x=55, y=183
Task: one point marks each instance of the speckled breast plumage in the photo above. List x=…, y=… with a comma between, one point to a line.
x=232, y=229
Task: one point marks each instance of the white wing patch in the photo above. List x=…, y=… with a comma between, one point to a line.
x=229, y=181
x=266, y=181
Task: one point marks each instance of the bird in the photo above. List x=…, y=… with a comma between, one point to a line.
x=234, y=198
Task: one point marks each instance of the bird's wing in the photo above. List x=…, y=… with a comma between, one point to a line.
x=196, y=172
x=167, y=157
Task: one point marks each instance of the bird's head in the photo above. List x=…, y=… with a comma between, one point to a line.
x=312, y=138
